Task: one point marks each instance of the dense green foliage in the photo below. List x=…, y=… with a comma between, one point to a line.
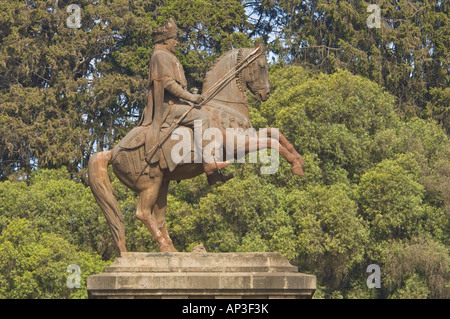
x=33, y=264
x=408, y=55
x=376, y=184
x=375, y=191
x=59, y=205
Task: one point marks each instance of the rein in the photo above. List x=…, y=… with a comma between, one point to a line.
x=232, y=102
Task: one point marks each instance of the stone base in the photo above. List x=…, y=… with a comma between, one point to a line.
x=201, y=275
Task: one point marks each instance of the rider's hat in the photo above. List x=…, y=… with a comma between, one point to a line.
x=166, y=32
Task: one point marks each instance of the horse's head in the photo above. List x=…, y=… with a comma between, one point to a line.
x=256, y=76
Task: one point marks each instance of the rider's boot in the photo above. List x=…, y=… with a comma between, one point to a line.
x=213, y=174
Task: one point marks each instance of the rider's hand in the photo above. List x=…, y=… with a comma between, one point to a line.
x=197, y=98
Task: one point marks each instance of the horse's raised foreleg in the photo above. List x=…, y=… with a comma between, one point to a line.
x=159, y=214
x=146, y=204
x=253, y=144
x=275, y=133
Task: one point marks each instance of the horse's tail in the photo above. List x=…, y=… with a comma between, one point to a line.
x=104, y=194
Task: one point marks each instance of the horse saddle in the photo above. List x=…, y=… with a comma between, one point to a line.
x=134, y=139
x=130, y=149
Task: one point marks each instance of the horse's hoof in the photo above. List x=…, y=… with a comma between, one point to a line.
x=297, y=170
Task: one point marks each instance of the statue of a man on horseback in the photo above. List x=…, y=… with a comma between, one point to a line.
x=142, y=159
x=167, y=91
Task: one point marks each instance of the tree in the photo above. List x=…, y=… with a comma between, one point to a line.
x=64, y=90
x=416, y=268
x=376, y=179
x=208, y=29
x=57, y=204
x=388, y=175
x=408, y=55
x=331, y=235
x=391, y=199
x=241, y=215
x=33, y=264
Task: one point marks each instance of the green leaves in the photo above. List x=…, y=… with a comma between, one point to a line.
x=207, y=30
x=408, y=55
x=68, y=92
x=391, y=198
x=33, y=264
x=58, y=101
x=370, y=178
x=333, y=116
x=331, y=234
x=415, y=269
x=56, y=204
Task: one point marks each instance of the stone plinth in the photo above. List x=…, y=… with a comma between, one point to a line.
x=201, y=275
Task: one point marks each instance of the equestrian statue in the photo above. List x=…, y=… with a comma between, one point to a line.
x=143, y=159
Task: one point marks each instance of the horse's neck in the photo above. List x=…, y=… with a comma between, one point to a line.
x=234, y=93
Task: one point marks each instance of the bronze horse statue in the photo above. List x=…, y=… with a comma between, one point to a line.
x=227, y=109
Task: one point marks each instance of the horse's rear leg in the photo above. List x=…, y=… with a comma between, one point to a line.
x=146, y=204
x=159, y=214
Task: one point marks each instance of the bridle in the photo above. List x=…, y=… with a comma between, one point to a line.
x=230, y=75
x=252, y=71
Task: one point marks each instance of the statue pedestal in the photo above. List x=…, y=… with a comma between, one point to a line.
x=201, y=275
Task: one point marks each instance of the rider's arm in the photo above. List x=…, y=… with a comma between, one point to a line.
x=177, y=90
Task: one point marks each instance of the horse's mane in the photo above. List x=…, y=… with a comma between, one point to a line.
x=219, y=60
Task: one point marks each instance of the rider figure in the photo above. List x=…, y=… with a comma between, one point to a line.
x=167, y=87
